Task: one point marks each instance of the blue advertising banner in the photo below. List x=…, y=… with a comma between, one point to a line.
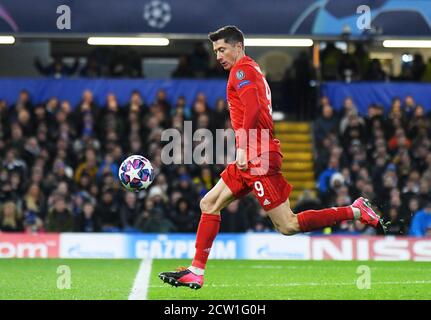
x=306, y=17
x=71, y=89
x=182, y=246
x=364, y=94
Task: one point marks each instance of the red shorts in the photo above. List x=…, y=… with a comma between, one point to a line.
x=266, y=181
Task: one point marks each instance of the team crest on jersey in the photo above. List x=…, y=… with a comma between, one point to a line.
x=240, y=75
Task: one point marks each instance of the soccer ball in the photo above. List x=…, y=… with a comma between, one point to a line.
x=136, y=173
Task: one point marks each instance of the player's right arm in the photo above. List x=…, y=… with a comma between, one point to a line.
x=245, y=78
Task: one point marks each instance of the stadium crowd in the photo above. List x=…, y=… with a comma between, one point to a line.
x=383, y=156
x=59, y=167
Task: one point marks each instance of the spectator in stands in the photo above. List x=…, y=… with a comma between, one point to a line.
x=87, y=221
x=57, y=68
x=424, y=190
x=330, y=58
x=325, y=124
x=221, y=114
x=418, y=67
x=91, y=69
x=347, y=67
x=418, y=124
x=129, y=211
x=205, y=181
x=234, y=219
x=399, y=140
x=23, y=102
x=354, y=131
x=408, y=210
x=325, y=178
x=409, y=107
x=185, y=187
x=361, y=57
x=24, y=121
x=108, y=166
x=4, y=118
x=89, y=166
x=199, y=60
x=12, y=162
x=34, y=201
x=60, y=218
x=32, y=223
x=153, y=219
x=162, y=102
x=87, y=103
x=10, y=218
x=183, y=218
x=107, y=212
x=397, y=225
x=347, y=108
x=375, y=71
x=421, y=223
x=136, y=105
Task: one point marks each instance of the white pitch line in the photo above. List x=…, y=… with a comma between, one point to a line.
x=142, y=281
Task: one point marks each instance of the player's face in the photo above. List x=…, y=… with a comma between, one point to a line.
x=227, y=54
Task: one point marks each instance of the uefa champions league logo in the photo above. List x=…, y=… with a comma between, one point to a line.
x=157, y=14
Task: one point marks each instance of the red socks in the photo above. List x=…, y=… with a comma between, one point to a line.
x=208, y=228
x=316, y=219
x=309, y=220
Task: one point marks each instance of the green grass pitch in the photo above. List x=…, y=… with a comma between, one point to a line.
x=225, y=280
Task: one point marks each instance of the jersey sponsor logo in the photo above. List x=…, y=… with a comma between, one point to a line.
x=243, y=83
x=240, y=75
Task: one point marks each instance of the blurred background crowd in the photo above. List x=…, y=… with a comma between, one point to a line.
x=384, y=157
x=59, y=165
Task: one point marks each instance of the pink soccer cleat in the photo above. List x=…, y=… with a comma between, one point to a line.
x=182, y=277
x=368, y=216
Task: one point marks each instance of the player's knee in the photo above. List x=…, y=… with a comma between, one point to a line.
x=287, y=230
x=291, y=227
x=207, y=205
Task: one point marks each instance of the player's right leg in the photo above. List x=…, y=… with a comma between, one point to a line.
x=211, y=204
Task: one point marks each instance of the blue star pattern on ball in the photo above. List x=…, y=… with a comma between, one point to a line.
x=136, y=173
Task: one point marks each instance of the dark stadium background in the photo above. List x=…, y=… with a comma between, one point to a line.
x=353, y=115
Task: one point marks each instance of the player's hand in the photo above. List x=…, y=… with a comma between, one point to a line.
x=241, y=159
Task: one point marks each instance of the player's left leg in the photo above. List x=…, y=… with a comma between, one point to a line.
x=289, y=223
x=272, y=191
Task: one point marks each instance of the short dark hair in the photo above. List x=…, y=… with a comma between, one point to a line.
x=230, y=34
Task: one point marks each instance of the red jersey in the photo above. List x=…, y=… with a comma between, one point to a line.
x=249, y=102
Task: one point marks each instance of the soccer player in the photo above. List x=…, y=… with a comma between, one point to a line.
x=249, y=101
